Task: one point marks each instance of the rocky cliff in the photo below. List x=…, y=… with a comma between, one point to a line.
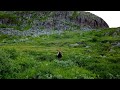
x=50, y=20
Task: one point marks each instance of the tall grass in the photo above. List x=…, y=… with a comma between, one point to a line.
x=93, y=57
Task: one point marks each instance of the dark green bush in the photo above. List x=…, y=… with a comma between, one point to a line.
x=12, y=53
x=94, y=39
x=4, y=64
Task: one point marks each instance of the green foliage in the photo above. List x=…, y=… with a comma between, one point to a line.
x=4, y=64
x=3, y=25
x=94, y=39
x=11, y=17
x=95, y=57
x=74, y=15
x=27, y=27
x=7, y=15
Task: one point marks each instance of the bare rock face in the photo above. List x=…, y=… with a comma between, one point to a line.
x=57, y=19
x=79, y=19
x=50, y=20
x=91, y=20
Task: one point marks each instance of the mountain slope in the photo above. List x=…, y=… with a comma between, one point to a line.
x=36, y=21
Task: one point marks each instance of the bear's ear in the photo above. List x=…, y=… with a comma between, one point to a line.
x=58, y=50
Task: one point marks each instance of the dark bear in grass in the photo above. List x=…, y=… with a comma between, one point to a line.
x=59, y=55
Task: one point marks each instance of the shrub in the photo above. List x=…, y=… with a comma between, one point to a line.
x=4, y=64
x=12, y=53
x=94, y=39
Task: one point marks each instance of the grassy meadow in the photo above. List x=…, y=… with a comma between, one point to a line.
x=93, y=54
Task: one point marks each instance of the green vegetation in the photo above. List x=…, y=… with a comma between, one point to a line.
x=5, y=15
x=20, y=20
x=9, y=20
x=86, y=55
x=74, y=15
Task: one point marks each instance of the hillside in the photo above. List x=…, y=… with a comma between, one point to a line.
x=30, y=40
x=28, y=23
x=93, y=54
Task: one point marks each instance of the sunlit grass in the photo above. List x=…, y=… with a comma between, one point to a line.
x=86, y=55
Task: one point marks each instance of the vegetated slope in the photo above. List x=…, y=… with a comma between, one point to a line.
x=86, y=55
x=35, y=21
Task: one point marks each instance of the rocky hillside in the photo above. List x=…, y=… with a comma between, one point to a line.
x=33, y=22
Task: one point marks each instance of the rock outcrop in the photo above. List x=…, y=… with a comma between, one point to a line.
x=51, y=20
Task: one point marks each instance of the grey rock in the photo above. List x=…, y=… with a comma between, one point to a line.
x=52, y=20
x=118, y=44
x=74, y=45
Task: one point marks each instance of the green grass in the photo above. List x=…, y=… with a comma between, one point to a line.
x=93, y=57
